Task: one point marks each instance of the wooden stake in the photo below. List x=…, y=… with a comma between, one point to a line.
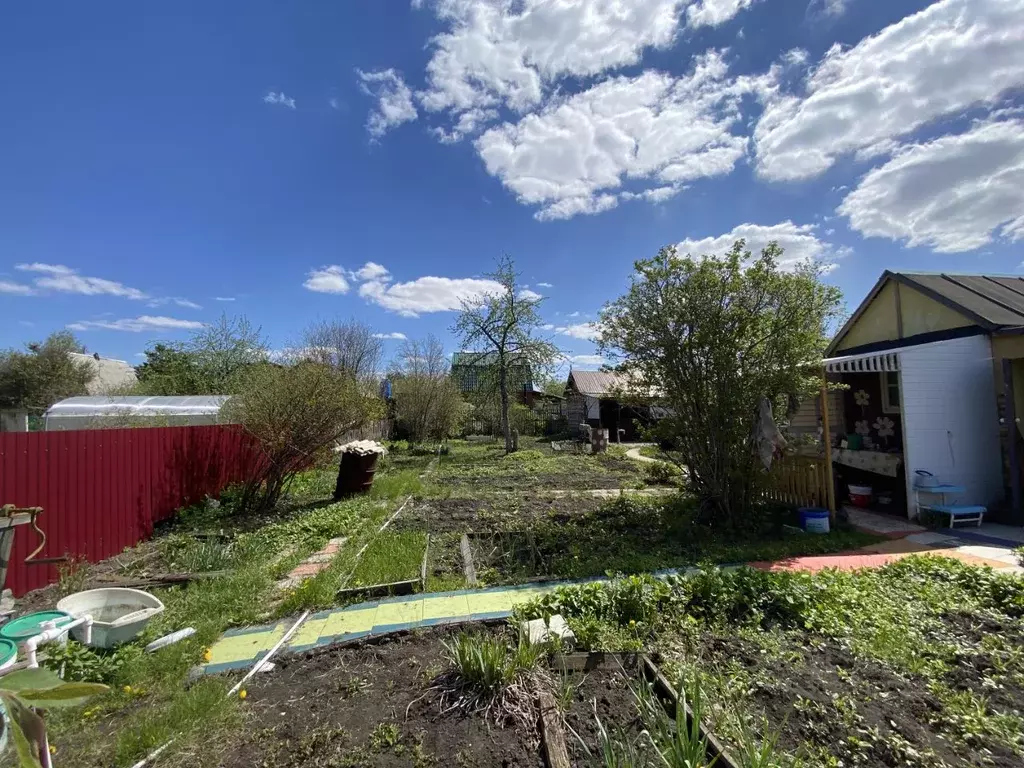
x=467, y=561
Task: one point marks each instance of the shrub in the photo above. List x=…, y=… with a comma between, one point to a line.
x=662, y=473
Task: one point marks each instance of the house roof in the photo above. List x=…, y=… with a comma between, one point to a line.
x=108, y=373
x=595, y=383
x=993, y=302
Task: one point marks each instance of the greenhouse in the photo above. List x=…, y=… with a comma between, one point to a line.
x=111, y=412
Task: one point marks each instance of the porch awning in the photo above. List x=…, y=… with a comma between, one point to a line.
x=869, y=362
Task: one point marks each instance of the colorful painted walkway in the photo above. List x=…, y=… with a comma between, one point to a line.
x=240, y=648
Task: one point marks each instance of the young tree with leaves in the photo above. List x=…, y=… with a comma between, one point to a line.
x=45, y=373
x=712, y=337
x=210, y=363
x=504, y=325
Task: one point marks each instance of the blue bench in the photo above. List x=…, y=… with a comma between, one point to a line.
x=958, y=513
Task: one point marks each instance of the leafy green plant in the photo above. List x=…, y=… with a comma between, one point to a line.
x=662, y=473
x=487, y=675
x=25, y=689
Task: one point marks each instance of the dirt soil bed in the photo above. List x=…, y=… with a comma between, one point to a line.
x=365, y=706
x=599, y=694
x=858, y=710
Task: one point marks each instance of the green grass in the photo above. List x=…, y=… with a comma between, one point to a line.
x=390, y=557
x=135, y=723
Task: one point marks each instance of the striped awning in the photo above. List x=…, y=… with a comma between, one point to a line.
x=870, y=362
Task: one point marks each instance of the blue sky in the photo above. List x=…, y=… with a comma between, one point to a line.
x=164, y=163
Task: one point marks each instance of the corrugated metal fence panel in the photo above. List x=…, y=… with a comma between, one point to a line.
x=102, y=490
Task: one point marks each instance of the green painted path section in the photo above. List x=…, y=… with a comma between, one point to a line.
x=240, y=648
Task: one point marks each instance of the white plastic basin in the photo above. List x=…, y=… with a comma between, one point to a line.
x=118, y=613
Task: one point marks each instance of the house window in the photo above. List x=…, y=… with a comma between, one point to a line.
x=891, y=392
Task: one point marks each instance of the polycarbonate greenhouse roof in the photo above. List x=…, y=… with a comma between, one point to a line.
x=138, y=406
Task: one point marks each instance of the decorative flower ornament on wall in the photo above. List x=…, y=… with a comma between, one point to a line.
x=862, y=428
x=861, y=398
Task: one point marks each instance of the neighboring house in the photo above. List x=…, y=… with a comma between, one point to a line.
x=592, y=398
x=926, y=363
x=108, y=374
x=474, y=372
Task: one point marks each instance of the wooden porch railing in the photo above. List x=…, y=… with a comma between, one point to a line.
x=799, y=480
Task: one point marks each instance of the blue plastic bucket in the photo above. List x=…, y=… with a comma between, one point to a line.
x=814, y=519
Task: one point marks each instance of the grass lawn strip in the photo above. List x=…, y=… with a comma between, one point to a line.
x=149, y=701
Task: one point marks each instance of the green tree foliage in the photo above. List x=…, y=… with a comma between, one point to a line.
x=712, y=337
x=296, y=412
x=212, y=362
x=504, y=324
x=45, y=373
x=428, y=404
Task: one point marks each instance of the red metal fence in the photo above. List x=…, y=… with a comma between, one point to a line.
x=102, y=490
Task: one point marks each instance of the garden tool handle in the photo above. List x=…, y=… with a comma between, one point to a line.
x=9, y=510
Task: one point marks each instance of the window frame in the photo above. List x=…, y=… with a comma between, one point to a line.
x=887, y=405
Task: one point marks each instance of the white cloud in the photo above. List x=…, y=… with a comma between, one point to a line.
x=394, y=100
x=17, y=289
x=799, y=242
x=329, y=279
x=574, y=314
x=951, y=194
x=57, y=277
x=371, y=271
x=528, y=295
x=711, y=13
x=652, y=128
x=223, y=298
x=426, y=294
x=176, y=300
x=503, y=53
x=278, y=97
x=953, y=55
x=137, y=324
x=545, y=285
x=548, y=327
x=395, y=335
x=586, y=331
x=587, y=360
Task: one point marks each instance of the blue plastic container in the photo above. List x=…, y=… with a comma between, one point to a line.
x=814, y=519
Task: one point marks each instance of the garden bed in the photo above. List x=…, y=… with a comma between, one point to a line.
x=366, y=705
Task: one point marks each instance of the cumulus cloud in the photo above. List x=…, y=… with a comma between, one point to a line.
x=951, y=193
x=395, y=335
x=953, y=55
x=585, y=331
x=57, y=277
x=137, y=324
x=587, y=360
x=394, y=100
x=528, y=295
x=570, y=156
x=711, y=13
x=799, y=242
x=329, y=279
x=426, y=294
x=498, y=53
x=278, y=97
x=371, y=271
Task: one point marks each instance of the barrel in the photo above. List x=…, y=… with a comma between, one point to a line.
x=355, y=474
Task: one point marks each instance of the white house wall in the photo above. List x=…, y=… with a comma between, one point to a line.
x=950, y=418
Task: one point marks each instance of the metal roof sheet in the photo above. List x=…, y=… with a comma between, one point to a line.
x=98, y=405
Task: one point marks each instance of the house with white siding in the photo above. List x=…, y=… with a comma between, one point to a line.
x=930, y=369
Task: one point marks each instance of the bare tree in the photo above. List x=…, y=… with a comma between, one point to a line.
x=427, y=401
x=502, y=325
x=346, y=346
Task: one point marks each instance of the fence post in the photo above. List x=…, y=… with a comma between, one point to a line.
x=830, y=486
